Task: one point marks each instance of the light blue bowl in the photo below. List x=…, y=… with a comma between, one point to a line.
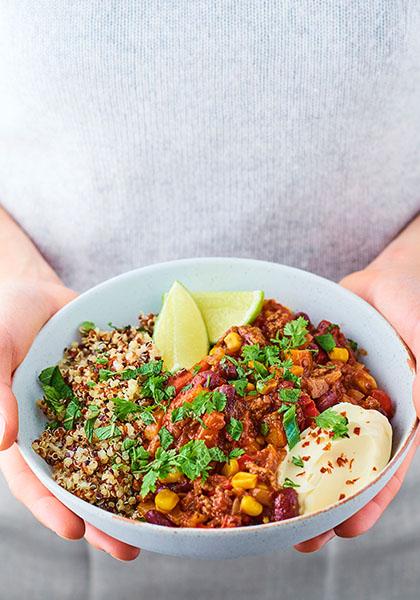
x=121, y=299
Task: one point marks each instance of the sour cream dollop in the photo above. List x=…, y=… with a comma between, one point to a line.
x=334, y=469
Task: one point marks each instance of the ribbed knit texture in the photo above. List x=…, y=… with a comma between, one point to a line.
x=135, y=131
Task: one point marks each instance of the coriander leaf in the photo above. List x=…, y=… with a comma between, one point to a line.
x=289, y=394
x=52, y=425
x=90, y=421
x=296, y=331
x=186, y=387
x=291, y=427
x=194, y=459
x=86, y=326
x=147, y=416
x=91, y=384
x=288, y=483
x=296, y=460
x=53, y=400
x=252, y=352
x=219, y=400
x=240, y=385
x=72, y=413
x=166, y=438
x=127, y=444
x=264, y=428
x=149, y=483
x=332, y=420
x=139, y=458
x=122, y=408
x=234, y=429
x=107, y=432
x=353, y=345
x=196, y=369
x=236, y=452
x=217, y=454
x=105, y=374
x=52, y=376
x=101, y=360
x=326, y=341
x=151, y=368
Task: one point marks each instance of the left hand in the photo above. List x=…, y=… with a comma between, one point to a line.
x=392, y=285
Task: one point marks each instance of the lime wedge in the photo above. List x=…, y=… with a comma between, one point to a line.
x=180, y=332
x=221, y=310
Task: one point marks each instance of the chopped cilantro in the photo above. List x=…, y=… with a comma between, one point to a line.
x=288, y=483
x=332, y=420
x=91, y=384
x=289, y=394
x=326, y=341
x=196, y=369
x=72, y=413
x=166, y=438
x=236, y=452
x=296, y=332
x=204, y=402
x=86, y=326
x=101, y=360
x=291, y=427
x=353, y=345
x=296, y=460
x=107, y=432
x=122, y=408
x=90, y=421
x=240, y=385
x=186, y=387
x=264, y=428
x=234, y=429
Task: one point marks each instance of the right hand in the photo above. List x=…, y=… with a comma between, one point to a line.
x=25, y=306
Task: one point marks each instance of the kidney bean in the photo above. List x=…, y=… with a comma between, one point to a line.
x=327, y=400
x=385, y=402
x=213, y=377
x=179, y=487
x=157, y=518
x=229, y=391
x=229, y=370
x=286, y=505
x=319, y=355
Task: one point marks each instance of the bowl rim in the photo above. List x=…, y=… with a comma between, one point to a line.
x=406, y=441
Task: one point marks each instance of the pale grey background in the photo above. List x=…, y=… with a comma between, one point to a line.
x=138, y=131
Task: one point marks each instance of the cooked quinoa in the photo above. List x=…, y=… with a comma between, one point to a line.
x=99, y=470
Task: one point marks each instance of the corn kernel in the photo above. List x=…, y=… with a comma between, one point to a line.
x=266, y=520
x=172, y=477
x=297, y=370
x=217, y=352
x=341, y=354
x=250, y=506
x=250, y=387
x=231, y=468
x=233, y=341
x=166, y=500
x=243, y=480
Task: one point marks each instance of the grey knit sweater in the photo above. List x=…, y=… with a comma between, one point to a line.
x=138, y=131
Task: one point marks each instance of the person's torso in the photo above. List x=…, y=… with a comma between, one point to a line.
x=137, y=132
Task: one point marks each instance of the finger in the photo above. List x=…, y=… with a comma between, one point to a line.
x=8, y=416
x=315, y=543
x=363, y=520
x=101, y=541
x=42, y=504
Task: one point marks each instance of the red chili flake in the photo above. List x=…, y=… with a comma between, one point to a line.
x=327, y=447
x=342, y=460
x=318, y=440
x=343, y=414
x=323, y=470
x=305, y=458
x=351, y=464
x=374, y=468
x=300, y=474
x=341, y=496
x=305, y=444
x=351, y=481
x=330, y=464
x=356, y=430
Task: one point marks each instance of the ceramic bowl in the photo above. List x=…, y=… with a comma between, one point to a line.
x=121, y=299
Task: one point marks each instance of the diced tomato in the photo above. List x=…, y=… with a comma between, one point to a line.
x=243, y=459
x=385, y=402
x=179, y=380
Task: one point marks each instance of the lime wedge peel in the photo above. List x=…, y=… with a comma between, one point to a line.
x=180, y=332
x=222, y=310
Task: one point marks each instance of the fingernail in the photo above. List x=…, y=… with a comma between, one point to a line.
x=2, y=428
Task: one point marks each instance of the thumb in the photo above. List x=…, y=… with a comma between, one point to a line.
x=360, y=283
x=8, y=405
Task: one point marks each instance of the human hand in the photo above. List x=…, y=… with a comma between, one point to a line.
x=392, y=285
x=24, y=308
